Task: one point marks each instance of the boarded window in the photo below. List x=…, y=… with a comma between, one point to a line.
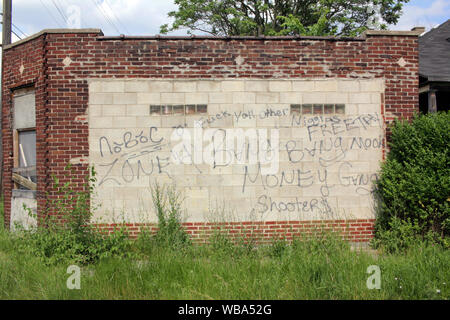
x=24, y=109
x=24, y=134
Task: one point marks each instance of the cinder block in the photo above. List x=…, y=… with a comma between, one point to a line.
x=233, y=86
x=375, y=98
x=123, y=122
x=172, y=121
x=220, y=97
x=100, y=122
x=348, y=202
x=113, y=86
x=185, y=86
x=326, y=85
x=351, y=109
x=291, y=97
x=244, y=97
x=334, y=97
x=317, y=97
x=197, y=98
x=359, y=98
x=147, y=122
x=95, y=110
x=96, y=87
x=280, y=85
x=124, y=98
x=138, y=110
x=197, y=192
x=209, y=86
x=303, y=86
x=368, y=108
x=114, y=110
x=348, y=86
x=256, y=86
x=160, y=86
x=100, y=98
x=136, y=86
x=172, y=98
x=222, y=122
x=267, y=97
x=148, y=98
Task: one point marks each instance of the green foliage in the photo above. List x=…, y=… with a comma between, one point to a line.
x=2, y=214
x=279, y=17
x=65, y=234
x=168, y=206
x=321, y=267
x=414, y=185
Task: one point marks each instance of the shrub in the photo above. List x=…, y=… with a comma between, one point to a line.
x=168, y=205
x=2, y=215
x=65, y=234
x=414, y=184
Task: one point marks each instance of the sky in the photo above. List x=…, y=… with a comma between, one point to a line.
x=144, y=17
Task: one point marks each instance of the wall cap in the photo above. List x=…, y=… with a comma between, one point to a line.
x=51, y=31
x=416, y=31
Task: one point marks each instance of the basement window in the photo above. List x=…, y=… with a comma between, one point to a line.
x=179, y=109
x=317, y=109
x=24, y=139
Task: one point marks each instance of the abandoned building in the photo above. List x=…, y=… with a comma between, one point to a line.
x=272, y=135
x=434, y=69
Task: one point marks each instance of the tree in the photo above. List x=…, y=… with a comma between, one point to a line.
x=281, y=17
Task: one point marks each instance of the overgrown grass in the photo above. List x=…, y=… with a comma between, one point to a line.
x=33, y=265
x=312, y=269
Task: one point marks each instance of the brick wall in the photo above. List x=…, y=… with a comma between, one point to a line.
x=61, y=65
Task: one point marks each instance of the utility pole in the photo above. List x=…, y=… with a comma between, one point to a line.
x=6, y=39
x=7, y=8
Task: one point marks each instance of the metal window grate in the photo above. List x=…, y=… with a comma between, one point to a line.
x=317, y=108
x=178, y=109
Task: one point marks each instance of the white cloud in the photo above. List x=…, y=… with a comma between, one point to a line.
x=437, y=12
x=137, y=17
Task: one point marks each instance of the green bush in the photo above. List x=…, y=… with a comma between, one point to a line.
x=414, y=184
x=2, y=215
x=65, y=234
x=168, y=206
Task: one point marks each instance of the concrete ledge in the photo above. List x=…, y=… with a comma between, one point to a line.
x=229, y=38
x=51, y=31
x=415, y=32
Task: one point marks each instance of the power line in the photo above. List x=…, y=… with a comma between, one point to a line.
x=60, y=11
x=16, y=34
x=18, y=29
x=51, y=15
x=116, y=17
x=12, y=32
x=108, y=20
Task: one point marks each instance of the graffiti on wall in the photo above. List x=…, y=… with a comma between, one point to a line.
x=304, y=164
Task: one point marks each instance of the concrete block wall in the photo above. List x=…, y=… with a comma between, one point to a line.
x=89, y=86
x=325, y=162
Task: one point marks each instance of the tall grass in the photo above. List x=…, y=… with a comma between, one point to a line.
x=324, y=268
x=168, y=266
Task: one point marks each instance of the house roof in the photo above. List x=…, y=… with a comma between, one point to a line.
x=434, y=53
